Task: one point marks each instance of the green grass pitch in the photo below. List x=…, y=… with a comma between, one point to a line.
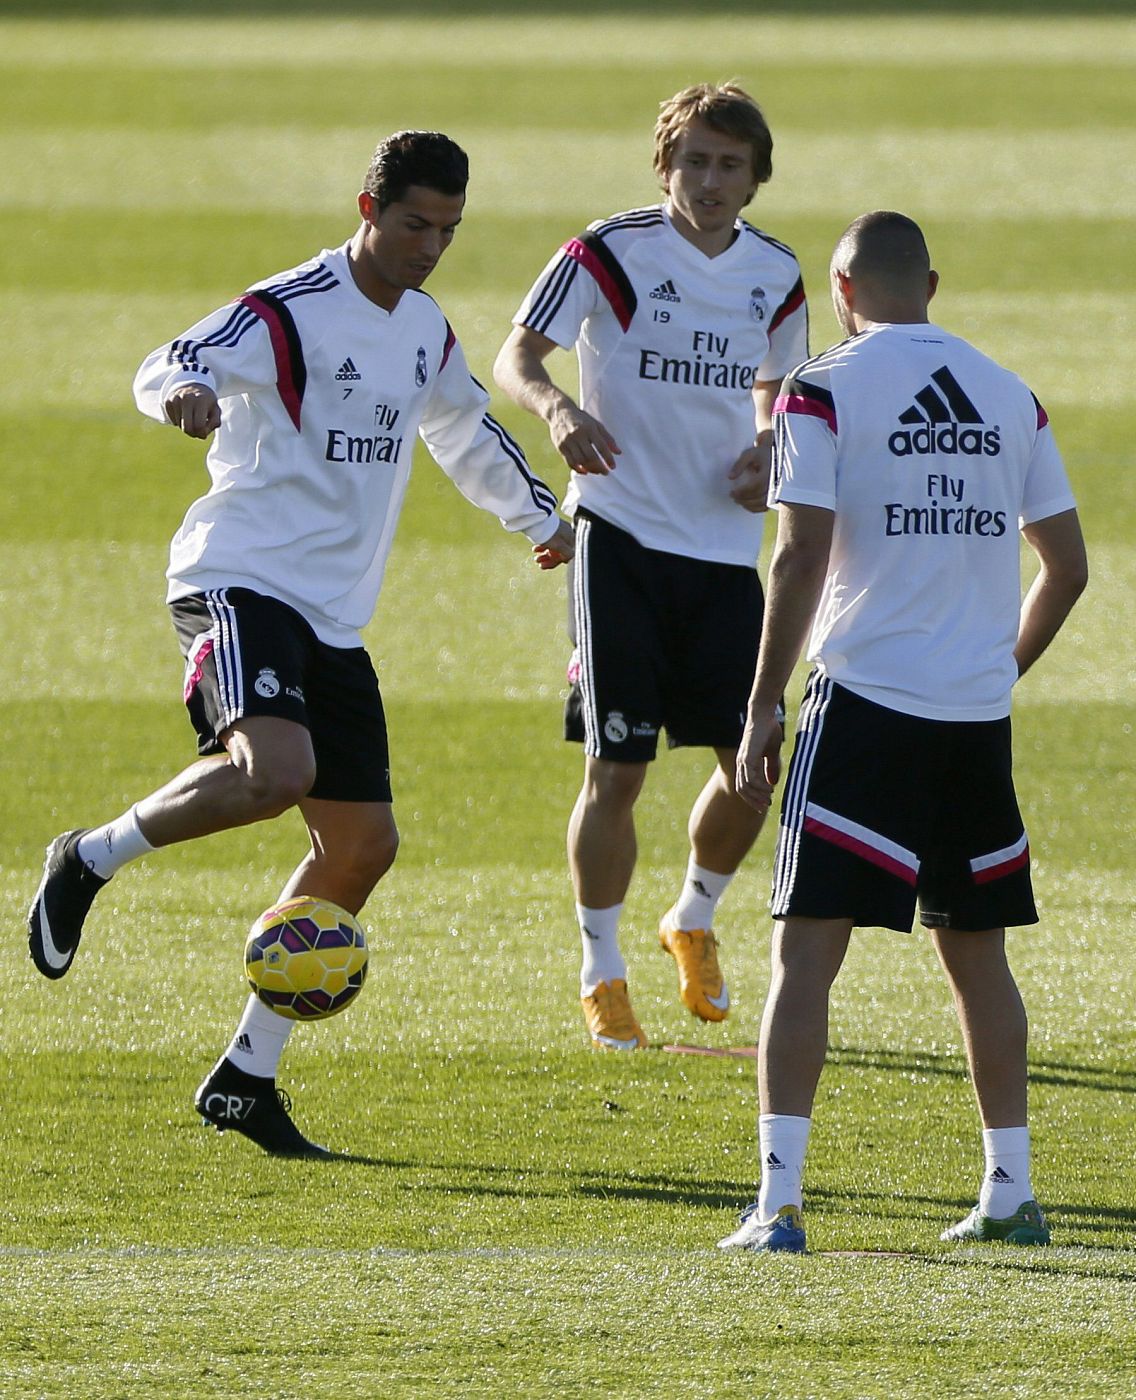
x=524, y=1218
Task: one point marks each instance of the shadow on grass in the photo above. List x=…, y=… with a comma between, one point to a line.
x=1007, y=1258
x=1057, y=1072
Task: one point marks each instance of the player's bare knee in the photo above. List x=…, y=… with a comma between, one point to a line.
x=382, y=852
x=273, y=791
x=362, y=863
x=615, y=786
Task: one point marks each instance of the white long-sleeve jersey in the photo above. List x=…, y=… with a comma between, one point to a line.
x=322, y=392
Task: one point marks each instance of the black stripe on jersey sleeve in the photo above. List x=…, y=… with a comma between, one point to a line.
x=614, y=270
x=649, y=217
x=552, y=295
x=184, y=352
x=768, y=238
x=290, y=291
x=792, y=302
x=542, y=497
x=796, y=387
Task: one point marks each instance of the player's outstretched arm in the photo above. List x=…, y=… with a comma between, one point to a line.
x=1060, y=547
x=194, y=409
x=519, y=370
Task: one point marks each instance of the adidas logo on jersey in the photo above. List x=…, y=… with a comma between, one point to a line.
x=347, y=370
x=939, y=421
x=665, y=291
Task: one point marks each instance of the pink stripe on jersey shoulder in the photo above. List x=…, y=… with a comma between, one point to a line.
x=792, y=302
x=282, y=350
x=813, y=408
x=581, y=253
x=451, y=341
x=1042, y=418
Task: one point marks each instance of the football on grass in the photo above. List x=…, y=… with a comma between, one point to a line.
x=306, y=958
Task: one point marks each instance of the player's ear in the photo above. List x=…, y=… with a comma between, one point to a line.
x=367, y=207
x=932, y=283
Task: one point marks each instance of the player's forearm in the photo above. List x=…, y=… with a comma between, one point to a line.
x=765, y=392
x=796, y=576
x=1044, y=610
x=521, y=374
x=1060, y=547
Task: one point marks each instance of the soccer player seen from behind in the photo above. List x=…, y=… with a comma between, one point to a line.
x=684, y=319
x=314, y=384
x=906, y=463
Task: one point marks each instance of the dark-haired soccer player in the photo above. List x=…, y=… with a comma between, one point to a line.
x=684, y=318
x=905, y=465
x=315, y=383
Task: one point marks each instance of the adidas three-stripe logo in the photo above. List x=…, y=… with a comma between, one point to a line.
x=347, y=370
x=938, y=407
x=943, y=419
x=665, y=291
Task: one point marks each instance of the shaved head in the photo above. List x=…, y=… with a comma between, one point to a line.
x=886, y=249
x=881, y=271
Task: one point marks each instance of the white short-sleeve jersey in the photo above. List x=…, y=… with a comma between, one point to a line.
x=670, y=343
x=932, y=457
x=322, y=393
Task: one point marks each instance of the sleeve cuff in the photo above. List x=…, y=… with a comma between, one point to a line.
x=543, y=529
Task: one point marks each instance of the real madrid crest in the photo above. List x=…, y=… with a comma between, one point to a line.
x=757, y=307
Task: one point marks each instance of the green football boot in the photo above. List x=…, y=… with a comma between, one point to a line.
x=1026, y=1226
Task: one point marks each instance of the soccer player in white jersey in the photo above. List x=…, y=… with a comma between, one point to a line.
x=314, y=384
x=684, y=318
x=905, y=465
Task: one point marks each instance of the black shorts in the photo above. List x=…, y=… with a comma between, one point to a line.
x=664, y=642
x=247, y=654
x=881, y=808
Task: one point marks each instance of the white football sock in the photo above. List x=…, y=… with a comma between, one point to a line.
x=259, y=1041
x=106, y=849
x=1006, y=1184
x=701, y=891
x=784, y=1140
x=599, y=938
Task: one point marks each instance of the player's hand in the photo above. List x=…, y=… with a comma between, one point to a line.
x=558, y=549
x=583, y=442
x=750, y=474
x=759, y=760
x=194, y=409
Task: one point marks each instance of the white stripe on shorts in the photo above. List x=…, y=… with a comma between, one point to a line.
x=810, y=723
x=868, y=844
x=227, y=654
x=583, y=610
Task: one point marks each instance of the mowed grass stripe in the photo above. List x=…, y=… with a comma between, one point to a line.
x=429, y=639
x=798, y=94
x=728, y=44
x=891, y=1008
x=1043, y=174
x=1078, y=1260
x=46, y=334
x=210, y=259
